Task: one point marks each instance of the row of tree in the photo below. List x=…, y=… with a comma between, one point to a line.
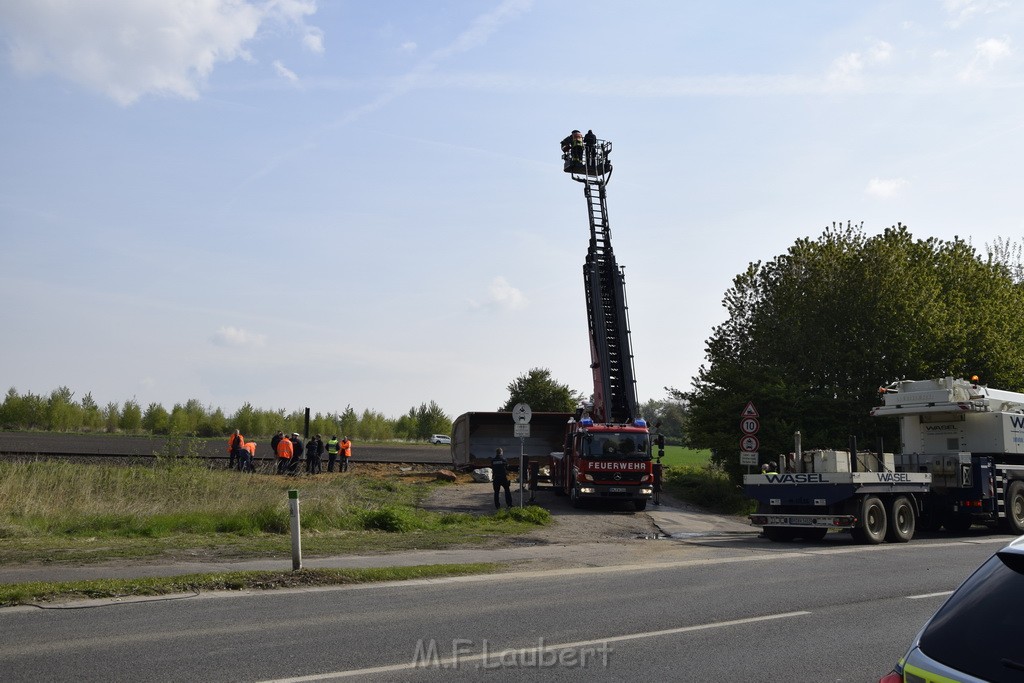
x=60, y=412
x=813, y=333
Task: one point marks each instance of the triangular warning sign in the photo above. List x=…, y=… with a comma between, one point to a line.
x=750, y=410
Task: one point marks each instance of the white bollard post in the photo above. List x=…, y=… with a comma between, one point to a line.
x=293, y=504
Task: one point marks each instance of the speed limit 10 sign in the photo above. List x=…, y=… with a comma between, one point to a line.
x=749, y=425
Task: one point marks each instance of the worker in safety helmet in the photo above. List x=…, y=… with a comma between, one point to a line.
x=573, y=145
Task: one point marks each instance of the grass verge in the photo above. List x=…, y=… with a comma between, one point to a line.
x=54, y=512
x=32, y=593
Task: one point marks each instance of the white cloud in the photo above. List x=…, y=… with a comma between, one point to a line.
x=314, y=40
x=885, y=188
x=847, y=70
x=987, y=53
x=409, y=46
x=962, y=11
x=501, y=295
x=236, y=337
x=129, y=48
x=285, y=72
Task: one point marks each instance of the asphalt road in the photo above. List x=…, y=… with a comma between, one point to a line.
x=725, y=610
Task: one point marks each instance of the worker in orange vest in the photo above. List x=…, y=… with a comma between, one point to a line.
x=345, y=449
x=285, y=450
x=249, y=463
x=236, y=442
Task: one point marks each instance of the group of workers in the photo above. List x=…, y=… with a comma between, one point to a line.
x=573, y=147
x=289, y=451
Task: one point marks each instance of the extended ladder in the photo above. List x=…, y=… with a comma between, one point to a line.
x=607, y=311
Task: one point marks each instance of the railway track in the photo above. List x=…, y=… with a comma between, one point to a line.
x=128, y=449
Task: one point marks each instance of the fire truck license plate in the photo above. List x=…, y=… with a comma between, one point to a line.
x=616, y=489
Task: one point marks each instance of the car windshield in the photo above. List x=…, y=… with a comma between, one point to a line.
x=980, y=630
x=617, y=446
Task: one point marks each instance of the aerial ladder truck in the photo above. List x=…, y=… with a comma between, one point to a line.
x=606, y=454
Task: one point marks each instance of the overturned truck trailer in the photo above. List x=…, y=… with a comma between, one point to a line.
x=475, y=437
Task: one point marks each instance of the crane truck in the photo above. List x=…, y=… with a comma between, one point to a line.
x=606, y=454
x=961, y=463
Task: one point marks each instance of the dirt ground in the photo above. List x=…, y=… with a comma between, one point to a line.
x=596, y=524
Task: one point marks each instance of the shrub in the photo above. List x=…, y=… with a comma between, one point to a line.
x=709, y=487
x=531, y=514
x=389, y=518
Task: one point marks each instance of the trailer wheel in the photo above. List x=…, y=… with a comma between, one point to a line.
x=902, y=520
x=873, y=523
x=1014, y=522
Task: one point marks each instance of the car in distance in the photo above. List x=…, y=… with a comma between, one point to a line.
x=978, y=633
x=440, y=438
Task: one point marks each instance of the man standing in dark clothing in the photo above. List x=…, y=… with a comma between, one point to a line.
x=293, y=466
x=590, y=141
x=499, y=478
x=314, y=455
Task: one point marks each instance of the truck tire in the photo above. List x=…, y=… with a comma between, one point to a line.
x=1014, y=522
x=574, y=498
x=873, y=522
x=640, y=505
x=902, y=520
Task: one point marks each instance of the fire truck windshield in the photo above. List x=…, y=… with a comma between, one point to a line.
x=617, y=446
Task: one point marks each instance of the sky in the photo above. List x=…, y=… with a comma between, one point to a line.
x=331, y=203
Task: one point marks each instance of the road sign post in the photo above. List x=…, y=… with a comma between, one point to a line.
x=521, y=414
x=749, y=443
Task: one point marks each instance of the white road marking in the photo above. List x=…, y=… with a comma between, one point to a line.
x=929, y=595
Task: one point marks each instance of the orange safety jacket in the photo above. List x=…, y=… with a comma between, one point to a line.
x=251, y=447
x=345, y=448
x=231, y=441
x=285, y=449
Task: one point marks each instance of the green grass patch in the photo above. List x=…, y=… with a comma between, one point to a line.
x=677, y=456
x=30, y=593
x=707, y=486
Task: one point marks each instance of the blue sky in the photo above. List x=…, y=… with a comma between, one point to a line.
x=328, y=203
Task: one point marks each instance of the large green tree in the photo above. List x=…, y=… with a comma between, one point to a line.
x=538, y=389
x=669, y=413
x=812, y=334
